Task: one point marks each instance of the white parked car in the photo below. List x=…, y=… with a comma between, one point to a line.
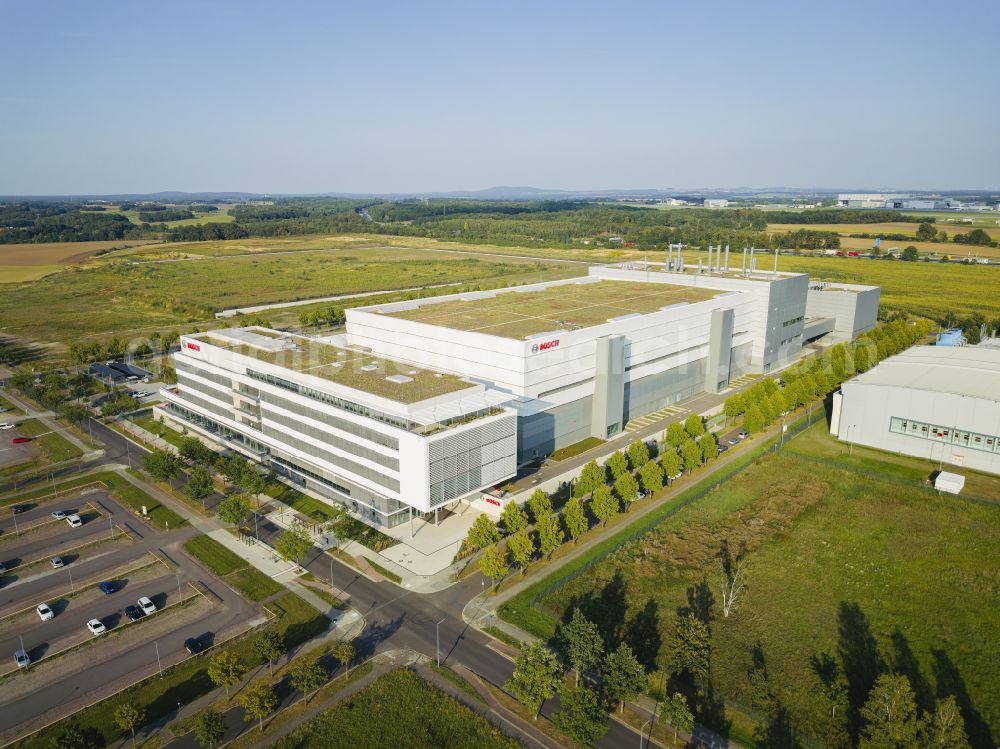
x=96, y=627
x=58, y=515
x=74, y=520
x=147, y=606
x=21, y=659
x=44, y=612
x=5, y=426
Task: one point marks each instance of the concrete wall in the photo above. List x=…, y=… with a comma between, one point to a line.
x=854, y=308
x=608, y=405
x=866, y=411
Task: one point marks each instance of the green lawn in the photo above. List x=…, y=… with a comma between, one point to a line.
x=407, y=711
x=571, y=451
x=250, y=581
x=834, y=557
x=53, y=445
x=146, y=421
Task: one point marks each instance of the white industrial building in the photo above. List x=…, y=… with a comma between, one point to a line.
x=420, y=404
x=936, y=402
x=896, y=202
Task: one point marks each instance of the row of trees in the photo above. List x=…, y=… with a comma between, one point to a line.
x=814, y=377
x=600, y=493
x=615, y=677
x=322, y=317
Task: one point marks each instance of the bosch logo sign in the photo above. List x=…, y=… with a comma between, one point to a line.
x=536, y=347
x=492, y=501
x=192, y=346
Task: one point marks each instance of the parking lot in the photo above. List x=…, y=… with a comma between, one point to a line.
x=114, y=550
x=13, y=453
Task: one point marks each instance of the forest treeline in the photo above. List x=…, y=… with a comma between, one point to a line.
x=563, y=223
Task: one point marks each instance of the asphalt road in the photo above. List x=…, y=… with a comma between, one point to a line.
x=394, y=617
x=71, y=616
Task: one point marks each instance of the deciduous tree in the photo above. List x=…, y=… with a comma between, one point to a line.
x=513, y=518
x=225, y=669
x=258, y=701
x=483, y=533
x=689, y=648
x=676, y=434
x=622, y=676
x=128, y=716
x=268, y=646
x=550, y=534
x=233, y=509
x=307, y=675
x=575, y=519
x=521, y=548
x=581, y=715
x=638, y=454
x=199, y=484
x=691, y=455
x=293, y=543
x=539, y=504
x=537, y=677
x=672, y=465
x=694, y=426
x=627, y=488
x=617, y=464
x=591, y=477
x=651, y=475
x=890, y=715
x=677, y=714
x=210, y=728
x=581, y=643
x=162, y=465
x=604, y=504
x=709, y=446
x=493, y=564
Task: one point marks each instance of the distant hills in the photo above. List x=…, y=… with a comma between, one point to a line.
x=506, y=192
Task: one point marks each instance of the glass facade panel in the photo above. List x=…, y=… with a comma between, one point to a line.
x=949, y=435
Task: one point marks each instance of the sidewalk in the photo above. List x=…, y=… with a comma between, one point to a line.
x=259, y=555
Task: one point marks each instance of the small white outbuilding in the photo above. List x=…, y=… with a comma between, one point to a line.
x=949, y=482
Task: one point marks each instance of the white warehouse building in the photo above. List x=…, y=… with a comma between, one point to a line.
x=934, y=402
x=423, y=403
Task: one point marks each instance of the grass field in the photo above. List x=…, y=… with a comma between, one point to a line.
x=839, y=551
x=250, y=581
x=408, y=711
x=53, y=445
x=116, y=298
x=934, y=249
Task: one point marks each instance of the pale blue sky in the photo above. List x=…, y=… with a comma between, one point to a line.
x=297, y=97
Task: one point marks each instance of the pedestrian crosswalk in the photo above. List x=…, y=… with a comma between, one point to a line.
x=743, y=380
x=634, y=425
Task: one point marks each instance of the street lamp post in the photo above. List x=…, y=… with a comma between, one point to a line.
x=850, y=450
x=71, y=588
x=642, y=729
x=180, y=596
x=14, y=515
x=159, y=666
x=437, y=630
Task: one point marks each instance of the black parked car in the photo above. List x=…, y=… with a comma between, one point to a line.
x=193, y=645
x=133, y=613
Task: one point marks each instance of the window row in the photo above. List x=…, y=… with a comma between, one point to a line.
x=949, y=435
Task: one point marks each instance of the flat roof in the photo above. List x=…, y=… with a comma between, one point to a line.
x=959, y=370
x=376, y=375
x=560, y=307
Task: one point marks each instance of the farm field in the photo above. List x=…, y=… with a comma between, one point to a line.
x=398, y=709
x=222, y=216
x=20, y=263
x=952, y=249
x=846, y=560
x=119, y=298
x=891, y=227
